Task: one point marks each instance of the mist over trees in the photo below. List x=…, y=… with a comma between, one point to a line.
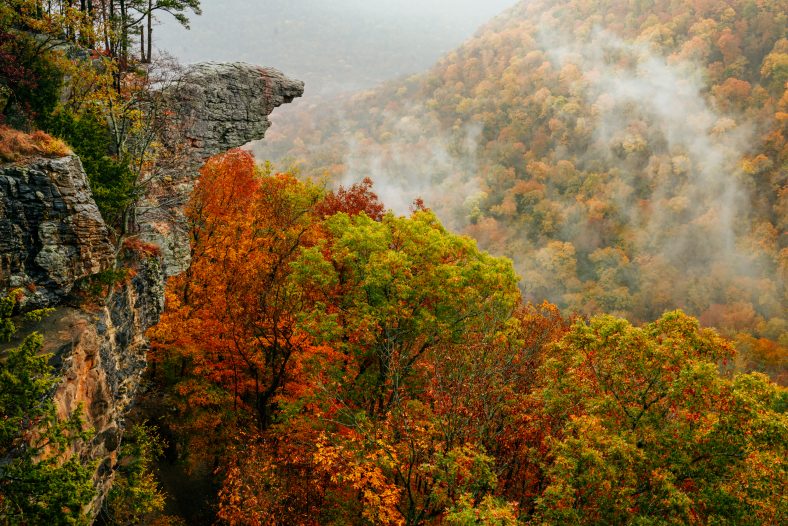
x=542, y=283
x=629, y=158
x=337, y=365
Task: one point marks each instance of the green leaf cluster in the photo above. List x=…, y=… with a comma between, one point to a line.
x=111, y=178
x=135, y=493
x=407, y=285
x=646, y=430
x=40, y=481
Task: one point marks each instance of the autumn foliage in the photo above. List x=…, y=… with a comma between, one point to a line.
x=629, y=156
x=357, y=198
x=16, y=145
x=335, y=364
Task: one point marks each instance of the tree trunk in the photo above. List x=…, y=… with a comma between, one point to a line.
x=124, y=37
x=142, y=45
x=70, y=30
x=108, y=23
x=92, y=20
x=150, y=29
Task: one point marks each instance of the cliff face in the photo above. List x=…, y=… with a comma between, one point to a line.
x=102, y=358
x=52, y=235
x=51, y=232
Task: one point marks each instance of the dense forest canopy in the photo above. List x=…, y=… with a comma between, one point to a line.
x=336, y=364
x=384, y=352
x=630, y=157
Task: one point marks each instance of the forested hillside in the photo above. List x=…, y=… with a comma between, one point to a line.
x=324, y=362
x=366, y=336
x=630, y=157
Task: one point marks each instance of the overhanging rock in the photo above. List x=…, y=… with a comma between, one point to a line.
x=215, y=107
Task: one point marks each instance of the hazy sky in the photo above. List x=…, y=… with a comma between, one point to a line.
x=332, y=45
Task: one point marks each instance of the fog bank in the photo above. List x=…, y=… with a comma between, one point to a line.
x=335, y=46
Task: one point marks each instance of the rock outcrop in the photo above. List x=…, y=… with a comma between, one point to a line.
x=215, y=107
x=52, y=236
x=51, y=232
x=103, y=357
x=223, y=106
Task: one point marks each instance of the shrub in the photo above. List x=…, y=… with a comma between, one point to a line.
x=32, y=80
x=111, y=180
x=137, y=247
x=16, y=145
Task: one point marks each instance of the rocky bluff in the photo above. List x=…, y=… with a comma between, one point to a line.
x=52, y=236
x=215, y=107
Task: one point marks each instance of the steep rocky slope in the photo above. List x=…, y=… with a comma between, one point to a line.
x=52, y=236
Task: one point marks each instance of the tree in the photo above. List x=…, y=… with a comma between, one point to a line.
x=354, y=200
x=135, y=497
x=30, y=81
x=385, y=293
x=397, y=299
x=232, y=316
x=642, y=428
x=41, y=480
x=146, y=9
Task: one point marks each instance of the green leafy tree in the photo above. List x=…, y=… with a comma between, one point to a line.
x=391, y=297
x=488, y=511
x=388, y=292
x=643, y=429
x=111, y=178
x=40, y=482
x=30, y=82
x=135, y=497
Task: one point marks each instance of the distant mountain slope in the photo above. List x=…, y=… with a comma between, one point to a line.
x=629, y=155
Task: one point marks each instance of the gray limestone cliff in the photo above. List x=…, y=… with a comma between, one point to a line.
x=215, y=107
x=51, y=232
x=52, y=238
x=222, y=106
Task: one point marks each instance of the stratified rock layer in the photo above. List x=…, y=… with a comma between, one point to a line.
x=215, y=107
x=51, y=232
